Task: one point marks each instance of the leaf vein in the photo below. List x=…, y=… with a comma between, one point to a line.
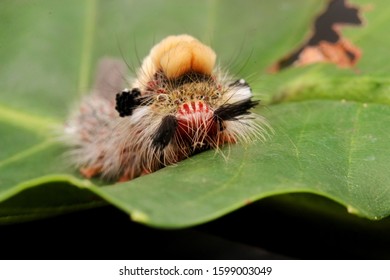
x=27, y=152
x=352, y=147
x=87, y=45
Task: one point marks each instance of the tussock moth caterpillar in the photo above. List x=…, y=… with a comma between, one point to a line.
x=178, y=105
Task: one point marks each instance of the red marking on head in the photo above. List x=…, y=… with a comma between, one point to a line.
x=193, y=108
x=200, y=105
x=194, y=119
x=185, y=109
x=193, y=105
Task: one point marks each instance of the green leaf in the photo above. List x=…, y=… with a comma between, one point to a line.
x=331, y=136
x=321, y=147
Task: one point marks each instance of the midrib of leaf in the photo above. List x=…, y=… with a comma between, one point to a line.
x=351, y=149
x=211, y=17
x=87, y=45
x=26, y=153
x=39, y=125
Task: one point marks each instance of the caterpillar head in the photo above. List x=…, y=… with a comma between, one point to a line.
x=197, y=107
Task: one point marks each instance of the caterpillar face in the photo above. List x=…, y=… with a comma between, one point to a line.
x=178, y=105
x=193, y=108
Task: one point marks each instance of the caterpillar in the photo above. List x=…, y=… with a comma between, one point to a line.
x=179, y=104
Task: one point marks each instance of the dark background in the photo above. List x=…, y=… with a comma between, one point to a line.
x=273, y=228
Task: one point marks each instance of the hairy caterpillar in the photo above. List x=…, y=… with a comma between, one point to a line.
x=178, y=105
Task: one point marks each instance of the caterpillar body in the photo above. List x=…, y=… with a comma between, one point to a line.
x=179, y=104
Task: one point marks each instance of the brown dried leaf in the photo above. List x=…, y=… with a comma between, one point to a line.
x=326, y=43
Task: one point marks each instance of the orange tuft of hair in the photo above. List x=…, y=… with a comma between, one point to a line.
x=177, y=55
